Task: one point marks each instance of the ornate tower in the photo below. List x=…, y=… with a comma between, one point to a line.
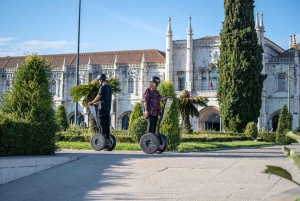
x=169, y=52
x=189, y=57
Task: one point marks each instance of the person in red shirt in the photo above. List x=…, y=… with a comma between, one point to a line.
x=151, y=100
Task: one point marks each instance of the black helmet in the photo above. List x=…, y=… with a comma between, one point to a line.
x=101, y=77
x=155, y=79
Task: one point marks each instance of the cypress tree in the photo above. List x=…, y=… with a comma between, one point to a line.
x=240, y=81
x=170, y=125
x=284, y=125
x=30, y=99
x=61, y=117
x=137, y=112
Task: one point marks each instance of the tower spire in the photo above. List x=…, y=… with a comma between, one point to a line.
x=89, y=61
x=256, y=22
x=190, y=31
x=169, y=30
x=295, y=40
x=116, y=59
x=262, y=20
x=291, y=42
x=296, y=56
x=143, y=59
x=169, y=53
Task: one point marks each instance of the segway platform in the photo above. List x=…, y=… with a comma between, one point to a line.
x=98, y=140
x=156, y=142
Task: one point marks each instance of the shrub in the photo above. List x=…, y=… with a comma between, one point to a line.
x=267, y=136
x=251, y=130
x=138, y=128
x=137, y=112
x=187, y=129
x=61, y=117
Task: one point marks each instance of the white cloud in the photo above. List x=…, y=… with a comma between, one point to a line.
x=4, y=41
x=34, y=46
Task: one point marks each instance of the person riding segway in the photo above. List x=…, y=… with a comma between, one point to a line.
x=102, y=139
x=152, y=141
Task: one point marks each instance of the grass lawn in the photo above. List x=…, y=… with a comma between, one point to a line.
x=185, y=146
x=204, y=146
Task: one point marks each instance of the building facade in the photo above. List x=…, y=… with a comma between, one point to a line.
x=190, y=64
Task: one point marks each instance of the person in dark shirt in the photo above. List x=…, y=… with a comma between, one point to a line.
x=103, y=100
x=151, y=100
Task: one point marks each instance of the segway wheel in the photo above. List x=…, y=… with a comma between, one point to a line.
x=98, y=142
x=110, y=147
x=149, y=143
x=163, y=145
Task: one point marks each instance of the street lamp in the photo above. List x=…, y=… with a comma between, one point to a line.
x=289, y=95
x=77, y=65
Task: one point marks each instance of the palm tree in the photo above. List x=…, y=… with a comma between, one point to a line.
x=90, y=90
x=187, y=107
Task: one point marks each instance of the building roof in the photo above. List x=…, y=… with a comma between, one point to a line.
x=290, y=53
x=210, y=37
x=128, y=56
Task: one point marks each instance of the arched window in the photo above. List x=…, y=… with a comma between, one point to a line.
x=281, y=82
x=213, y=122
x=125, y=122
x=7, y=85
x=181, y=81
x=80, y=119
x=130, y=85
x=213, y=79
x=204, y=81
x=53, y=87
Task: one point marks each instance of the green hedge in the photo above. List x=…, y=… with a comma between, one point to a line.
x=213, y=138
x=24, y=138
x=267, y=136
x=83, y=135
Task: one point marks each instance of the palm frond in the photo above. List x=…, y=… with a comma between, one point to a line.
x=187, y=106
x=90, y=90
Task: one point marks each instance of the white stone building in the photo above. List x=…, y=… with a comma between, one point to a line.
x=190, y=64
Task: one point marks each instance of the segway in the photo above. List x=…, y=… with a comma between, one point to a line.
x=98, y=140
x=156, y=142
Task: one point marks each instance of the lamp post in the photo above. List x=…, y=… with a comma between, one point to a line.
x=77, y=65
x=289, y=88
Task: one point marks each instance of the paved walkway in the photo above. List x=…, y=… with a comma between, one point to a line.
x=120, y=175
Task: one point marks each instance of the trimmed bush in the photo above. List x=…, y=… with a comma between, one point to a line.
x=61, y=117
x=267, y=136
x=213, y=138
x=251, y=130
x=138, y=128
x=22, y=137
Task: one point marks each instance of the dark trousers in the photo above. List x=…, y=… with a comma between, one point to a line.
x=103, y=119
x=152, y=121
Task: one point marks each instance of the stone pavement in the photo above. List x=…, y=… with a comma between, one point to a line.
x=120, y=175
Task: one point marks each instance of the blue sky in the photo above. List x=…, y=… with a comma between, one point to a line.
x=51, y=26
